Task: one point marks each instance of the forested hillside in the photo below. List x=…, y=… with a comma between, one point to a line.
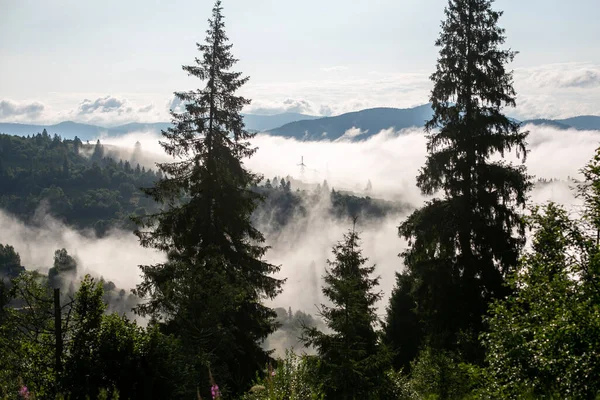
x=83, y=186
x=494, y=298
x=73, y=181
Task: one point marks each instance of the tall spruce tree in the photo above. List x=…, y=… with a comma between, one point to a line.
x=210, y=289
x=462, y=245
x=352, y=360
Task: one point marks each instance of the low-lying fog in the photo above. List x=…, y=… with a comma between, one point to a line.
x=389, y=160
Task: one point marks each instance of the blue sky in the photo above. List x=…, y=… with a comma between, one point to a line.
x=114, y=61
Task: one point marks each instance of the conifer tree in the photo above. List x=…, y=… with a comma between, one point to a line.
x=462, y=245
x=352, y=361
x=210, y=289
x=98, y=153
x=77, y=145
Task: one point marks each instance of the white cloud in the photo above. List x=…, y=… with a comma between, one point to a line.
x=390, y=160
x=557, y=91
x=351, y=134
x=287, y=105
x=336, y=68
x=111, y=110
x=11, y=111
x=545, y=91
x=115, y=257
x=568, y=75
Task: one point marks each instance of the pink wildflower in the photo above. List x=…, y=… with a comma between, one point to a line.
x=214, y=389
x=24, y=392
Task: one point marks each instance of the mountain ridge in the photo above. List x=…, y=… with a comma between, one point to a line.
x=356, y=125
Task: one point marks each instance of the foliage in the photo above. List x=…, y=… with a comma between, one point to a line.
x=293, y=378
x=352, y=361
x=27, y=337
x=544, y=338
x=403, y=328
x=462, y=244
x=439, y=374
x=82, y=191
x=210, y=290
x=103, y=353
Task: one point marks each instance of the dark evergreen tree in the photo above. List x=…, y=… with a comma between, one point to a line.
x=10, y=263
x=77, y=145
x=65, y=167
x=462, y=245
x=403, y=329
x=98, y=153
x=64, y=269
x=209, y=291
x=352, y=361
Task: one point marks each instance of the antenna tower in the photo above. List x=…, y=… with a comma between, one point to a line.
x=302, y=166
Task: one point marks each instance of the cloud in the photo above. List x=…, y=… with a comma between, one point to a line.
x=557, y=91
x=544, y=91
x=112, y=110
x=325, y=111
x=570, y=75
x=11, y=110
x=36, y=245
x=337, y=68
x=278, y=107
x=351, y=134
x=390, y=160
x=176, y=105
x=337, y=95
x=106, y=104
x=146, y=109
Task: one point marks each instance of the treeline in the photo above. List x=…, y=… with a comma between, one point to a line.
x=79, y=184
x=474, y=314
x=85, y=187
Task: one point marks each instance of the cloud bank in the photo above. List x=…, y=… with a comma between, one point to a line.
x=14, y=111
x=391, y=161
x=551, y=91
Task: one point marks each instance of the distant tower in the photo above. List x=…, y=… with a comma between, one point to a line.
x=302, y=166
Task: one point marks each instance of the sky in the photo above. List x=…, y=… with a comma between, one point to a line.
x=113, y=62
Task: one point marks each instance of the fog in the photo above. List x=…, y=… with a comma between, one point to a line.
x=391, y=161
x=114, y=257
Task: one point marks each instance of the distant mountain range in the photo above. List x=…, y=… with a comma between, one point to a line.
x=369, y=122
x=263, y=123
x=70, y=129
x=357, y=125
x=363, y=124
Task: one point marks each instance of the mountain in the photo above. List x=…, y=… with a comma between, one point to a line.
x=267, y=122
x=357, y=125
x=369, y=121
x=70, y=129
x=363, y=124
x=138, y=127
x=67, y=129
x=547, y=122
x=583, y=122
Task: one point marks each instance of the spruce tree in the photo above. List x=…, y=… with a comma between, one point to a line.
x=352, y=361
x=210, y=290
x=403, y=329
x=462, y=245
